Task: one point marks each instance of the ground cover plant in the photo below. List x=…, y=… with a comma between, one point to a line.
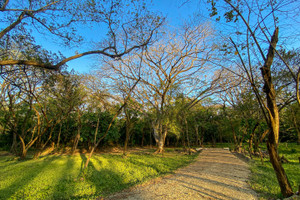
x=263, y=179
x=60, y=176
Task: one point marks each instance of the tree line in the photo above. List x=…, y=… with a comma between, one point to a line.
x=154, y=85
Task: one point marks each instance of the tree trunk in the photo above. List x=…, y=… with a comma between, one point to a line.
x=187, y=135
x=197, y=135
x=23, y=153
x=295, y=122
x=150, y=139
x=202, y=137
x=76, y=140
x=252, y=138
x=251, y=144
x=143, y=137
x=77, y=137
x=89, y=157
x=283, y=181
x=157, y=133
x=58, y=138
x=126, y=138
x=13, y=148
x=41, y=145
x=273, y=120
x=220, y=135
x=260, y=140
x=236, y=143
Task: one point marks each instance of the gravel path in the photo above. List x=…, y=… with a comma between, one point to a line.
x=216, y=174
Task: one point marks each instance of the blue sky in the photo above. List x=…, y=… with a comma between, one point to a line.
x=175, y=11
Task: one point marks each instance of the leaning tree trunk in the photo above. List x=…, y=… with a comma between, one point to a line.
x=273, y=121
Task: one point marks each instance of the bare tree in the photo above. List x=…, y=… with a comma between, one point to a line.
x=125, y=31
x=176, y=63
x=255, y=46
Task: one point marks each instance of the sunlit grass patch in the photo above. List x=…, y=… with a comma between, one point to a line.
x=263, y=178
x=59, y=177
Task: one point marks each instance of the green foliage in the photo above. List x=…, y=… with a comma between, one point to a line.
x=57, y=177
x=263, y=178
x=90, y=123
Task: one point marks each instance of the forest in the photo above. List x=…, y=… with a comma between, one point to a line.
x=232, y=77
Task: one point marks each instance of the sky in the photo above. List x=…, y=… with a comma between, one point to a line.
x=175, y=11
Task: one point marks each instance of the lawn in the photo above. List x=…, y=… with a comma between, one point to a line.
x=263, y=178
x=60, y=177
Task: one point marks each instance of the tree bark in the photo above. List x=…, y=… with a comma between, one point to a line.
x=23, y=153
x=252, y=138
x=273, y=121
x=58, y=138
x=159, y=135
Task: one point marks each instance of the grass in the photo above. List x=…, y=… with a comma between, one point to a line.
x=263, y=179
x=58, y=177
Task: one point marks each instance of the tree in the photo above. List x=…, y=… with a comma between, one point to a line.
x=177, y=62
x=242, y=110
x=125, y=31
x=22, y=104
x=97, y=142
x=131, y=114
x=252, y=56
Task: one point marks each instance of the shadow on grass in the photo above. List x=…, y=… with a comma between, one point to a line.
x=105, y=181
x=167, y=166
x=65, y=184
x=27, y=173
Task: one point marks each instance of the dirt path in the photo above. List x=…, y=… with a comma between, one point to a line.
x=216, y=174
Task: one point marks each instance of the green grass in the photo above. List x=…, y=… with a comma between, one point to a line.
x=263, y=179
x=58, y=177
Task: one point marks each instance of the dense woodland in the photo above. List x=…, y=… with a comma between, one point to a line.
x=153, y=85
